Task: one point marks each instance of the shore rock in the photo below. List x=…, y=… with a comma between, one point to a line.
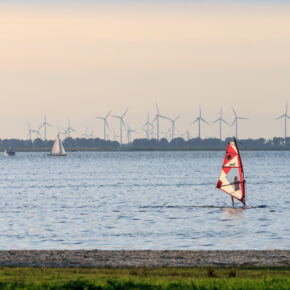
x=142, y=258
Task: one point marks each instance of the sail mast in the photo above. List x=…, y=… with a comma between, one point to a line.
x=241, y=171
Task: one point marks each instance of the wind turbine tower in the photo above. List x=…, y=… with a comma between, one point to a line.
x=148, y=124
x=106, y=125
x=236, y=121
x=285, y=116
x=129, y=132
x=220, y=120
x=199, y=119
x=172, y=124
x=121, y=123
x=30, y=131
x=85, y=134
x=45, y=124
x=38, y=135
x=157, y=116
x=69, y=129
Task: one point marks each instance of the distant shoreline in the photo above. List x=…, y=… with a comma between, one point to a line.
x=132, y=149
x=143, y=258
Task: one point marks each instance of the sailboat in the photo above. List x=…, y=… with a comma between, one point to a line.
x=233, y=170
x=57, y=149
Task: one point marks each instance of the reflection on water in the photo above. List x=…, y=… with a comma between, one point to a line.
x=141, y=200
x=234, y=212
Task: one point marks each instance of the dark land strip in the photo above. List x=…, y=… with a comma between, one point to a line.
x=143, y=258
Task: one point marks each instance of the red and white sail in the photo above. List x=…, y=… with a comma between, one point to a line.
x=232, y=160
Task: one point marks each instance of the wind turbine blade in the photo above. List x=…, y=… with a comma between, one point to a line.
x=234, y=112
x=108, y=114
x=154, y=119
x=215, y=121
x=164, y=117
x=106, y=123
x=124, y=113
x=114, y=116
x=176, y=118
x=225, y=122
x=281, y=117
x=235, y=120
x=101, y=118
x=49, y=125
x=202, y=119
x=242, y=118
x=122, y=121
x=157, y=109
x=195, y=120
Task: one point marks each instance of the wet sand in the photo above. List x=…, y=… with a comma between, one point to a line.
x=142, y=258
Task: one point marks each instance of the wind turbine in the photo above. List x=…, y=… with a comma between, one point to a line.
x=157, y=116
x=30, y=131
x=285, y=116
x=147, y=124
x=115, y=135
x=236, y=121
x=45, y=124
x=121, y=123
x=85, y=134
x=220, y=120
x=129, y=132
x=199, y=119
x=38, y=135
x=69, y=129
x=105, y=123
x=172, y=124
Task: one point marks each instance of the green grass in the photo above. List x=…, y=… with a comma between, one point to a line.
x=145, y=278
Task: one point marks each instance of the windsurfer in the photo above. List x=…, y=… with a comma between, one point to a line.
x=236, y=184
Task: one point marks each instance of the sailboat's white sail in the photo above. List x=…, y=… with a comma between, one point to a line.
x=57, y=149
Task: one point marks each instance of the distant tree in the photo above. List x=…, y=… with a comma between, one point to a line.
x=278, y=141
x=38, y=143
x=163, y=142
x=194, y=142
x=178, y=142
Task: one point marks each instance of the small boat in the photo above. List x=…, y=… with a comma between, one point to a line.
x=9, y=152
x=233, y=170
x=57, y=149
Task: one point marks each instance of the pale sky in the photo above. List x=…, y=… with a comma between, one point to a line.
x=81, y=60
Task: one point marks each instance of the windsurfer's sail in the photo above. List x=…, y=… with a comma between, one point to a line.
x=57, y=149
x=232, y=160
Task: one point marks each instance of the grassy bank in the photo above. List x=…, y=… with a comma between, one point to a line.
x=145, y=278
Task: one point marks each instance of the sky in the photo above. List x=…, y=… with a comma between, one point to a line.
x=79, y=59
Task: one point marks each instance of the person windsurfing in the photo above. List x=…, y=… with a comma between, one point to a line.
x=236, y=185
x=235, y=189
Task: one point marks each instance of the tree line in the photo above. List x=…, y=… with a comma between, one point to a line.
x=276, y=143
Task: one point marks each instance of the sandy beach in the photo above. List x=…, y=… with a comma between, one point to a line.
x=142, y=258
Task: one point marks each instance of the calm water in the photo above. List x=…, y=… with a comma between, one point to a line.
x=141, y=200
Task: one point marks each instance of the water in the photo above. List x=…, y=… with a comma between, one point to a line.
x=141, y=200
